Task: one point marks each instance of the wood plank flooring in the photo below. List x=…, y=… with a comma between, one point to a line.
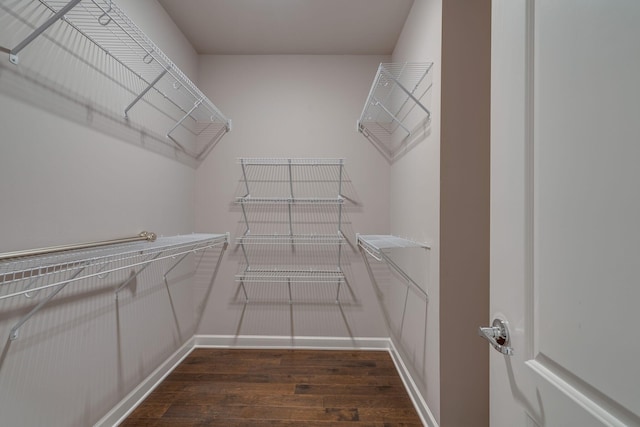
x=229, y=387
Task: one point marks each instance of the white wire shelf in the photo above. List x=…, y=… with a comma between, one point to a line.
x=289, y=201
x=197, y=123
x=284, y=239
x=29, y=275
x=97, y=262
x=290, y=274
x=394, y=99
x=271, y=161
x=295, y=206
x=375, y=244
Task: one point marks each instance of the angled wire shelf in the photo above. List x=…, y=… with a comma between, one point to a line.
x=54, y=268
x=376, y=244
x=141, y=69
x=394, y=105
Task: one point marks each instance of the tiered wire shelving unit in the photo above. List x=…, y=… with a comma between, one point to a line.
x=135, y=65
x=292, y=216
x=394, y=105
x=378, y=246
x=27, y=273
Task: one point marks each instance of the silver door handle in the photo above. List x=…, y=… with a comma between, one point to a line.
x=498, y=336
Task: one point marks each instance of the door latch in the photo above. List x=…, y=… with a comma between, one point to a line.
x=498, y=336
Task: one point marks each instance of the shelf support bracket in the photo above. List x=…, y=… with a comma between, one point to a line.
x=246, y=220
x=246, y=182
x=404, y=275
x=291, y=196
x=409, y=94
x=144, y=92
x=126, y=282
x=13, y=54
x=379, y=255
x=174, y=266
x=244, y=252
x=386, y=110
x=13, y=334
x=195, y=105
x=244, y=290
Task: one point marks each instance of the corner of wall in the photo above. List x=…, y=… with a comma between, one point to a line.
x=464, y=211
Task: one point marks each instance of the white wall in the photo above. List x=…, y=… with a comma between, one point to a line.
x=415, y=206
x=291, y=106
x=67, y=175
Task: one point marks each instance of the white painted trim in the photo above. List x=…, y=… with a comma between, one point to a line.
x=410, y=385
x=284, y=342
x=122, y=410
x=133, y=399
x=581, y=397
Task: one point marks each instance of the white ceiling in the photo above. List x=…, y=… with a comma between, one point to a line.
x=290, y=26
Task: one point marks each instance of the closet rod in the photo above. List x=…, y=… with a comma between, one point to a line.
x=145, y=235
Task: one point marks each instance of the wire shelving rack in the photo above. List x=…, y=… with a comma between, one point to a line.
x=55, y=268
x=301, y=199
x=141, y=69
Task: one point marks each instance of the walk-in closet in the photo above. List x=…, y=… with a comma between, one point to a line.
x=243, y=212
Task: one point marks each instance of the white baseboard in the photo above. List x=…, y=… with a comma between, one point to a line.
x=122, y=410
x=282, y=342
x=133, y=399
x=414, y=393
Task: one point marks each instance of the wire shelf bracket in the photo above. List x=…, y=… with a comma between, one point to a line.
x=57, y=267
x=104, y=24
x=374, y=245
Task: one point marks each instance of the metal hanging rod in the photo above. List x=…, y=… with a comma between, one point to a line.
x=143, y=236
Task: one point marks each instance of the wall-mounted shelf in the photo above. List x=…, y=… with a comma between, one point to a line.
x=283, y=275
x=286, y=239
x=394, y=104
x=289, y=200
x=376, y=245
x=292, y=213
x=55, y=268
x=140, y=68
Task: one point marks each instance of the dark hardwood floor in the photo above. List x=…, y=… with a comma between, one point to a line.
x=220, y=387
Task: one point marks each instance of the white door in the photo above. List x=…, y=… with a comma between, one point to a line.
x=565, y=212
